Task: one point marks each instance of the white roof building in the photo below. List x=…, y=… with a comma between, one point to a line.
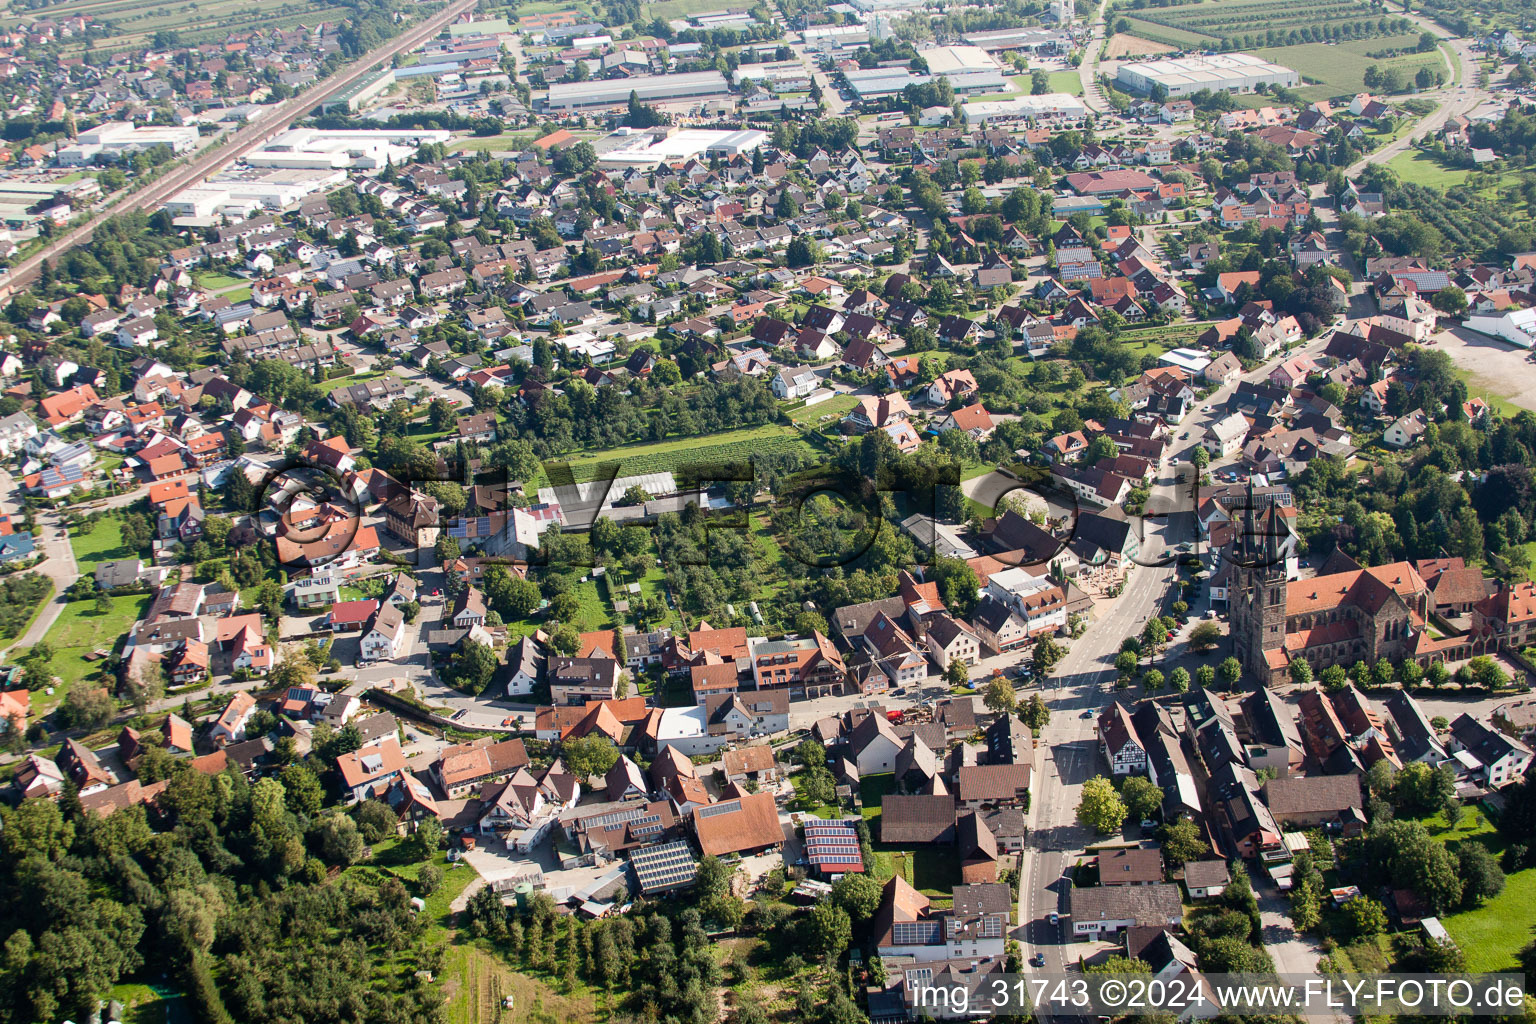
x=1192, y=359
x=1047, y=105
x=1222, y=72
x=1518, y=326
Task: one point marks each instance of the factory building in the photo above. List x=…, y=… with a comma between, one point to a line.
x=958, y=60
x=789, y=75
x=238, y=192
x=1022, y=40
x=117, y=139
x=1051, y=105
x=363, y=149
x=648, y=149
x=352, y=98
x=1185, y=76
x=878, y=83
x=568, y=96
x=822, y=38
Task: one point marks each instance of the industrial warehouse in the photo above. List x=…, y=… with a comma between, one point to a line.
x=1226, y=72
x=649, y=149
x=694, y=85
x=1048, y=106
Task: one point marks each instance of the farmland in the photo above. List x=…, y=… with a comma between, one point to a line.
x=1123, y=44
x=1245, y=24
x=1338, y=69
x=134, y=22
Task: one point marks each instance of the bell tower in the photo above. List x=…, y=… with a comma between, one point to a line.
x=1257, y=595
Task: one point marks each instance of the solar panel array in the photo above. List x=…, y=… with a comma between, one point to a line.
x=915, y=933
x=724, y=807
x=833, y=845
x=664, y=866
x=612, y=818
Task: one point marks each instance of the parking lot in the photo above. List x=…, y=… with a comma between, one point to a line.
x=1495, y=369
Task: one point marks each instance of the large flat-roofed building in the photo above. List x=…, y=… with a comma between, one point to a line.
x=359, y=92
x=1223, y=72
x=878, y=83
x=649, y=88
x=950, y=60
x=646, y=150
x=239, y=191
x=362, y=148
x=834, y=37
x=1029, y=40
x=1026, y=108
x=117, y=139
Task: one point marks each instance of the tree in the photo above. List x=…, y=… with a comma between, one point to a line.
x=1182, y=841
x=1365, y=916
x=999, y=696
x=375, y=820
x=1450, y=300
x=1153, y=681
x=86, y=707
x=1420, y=790
x=1200, y=457
x=815, y=787
x=144, y=686
x=1204, y=636
x=1153, y=636
x=1230, y=671
x=1481, y=877
x=1178, y=679
x=473, y=666
x=829, y=930
x=1126, y=662
x=1047, y=653
x=1035, y=713
x=1301, y=672
x=589, y=755
x=427, y=838
x=1100, y=807
x=1141, y=796
x=810, y=754
x=1306, y=906
x=340, y=841
x=858, y=894
x=957, y=673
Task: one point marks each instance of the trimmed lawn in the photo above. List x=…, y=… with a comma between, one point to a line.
x=872, y=789
x=821, y=811
x=80, y=630
x=1069, y=82
x=1492, y=934
x=213, y=281
x=836, y=407
x=103, y=544
x=666, y=456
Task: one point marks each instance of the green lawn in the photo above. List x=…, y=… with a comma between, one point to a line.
x=835, y=407
x=80, y=630
x=666, y=456
x=1420, y=168
x=103, y=544
x=348, y=381
x=1492, y=934
x=510, y=142
x=213, y=281
x=1066, y=81
x=872, y=789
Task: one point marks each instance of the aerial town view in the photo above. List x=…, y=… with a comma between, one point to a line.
x=596, y=511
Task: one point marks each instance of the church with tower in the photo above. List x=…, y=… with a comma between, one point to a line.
x=1347, y=613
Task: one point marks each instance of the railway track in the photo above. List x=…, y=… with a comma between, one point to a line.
x=257, y=133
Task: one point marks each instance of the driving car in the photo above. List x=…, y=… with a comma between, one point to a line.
x=1038, y=960
x=1053, y=917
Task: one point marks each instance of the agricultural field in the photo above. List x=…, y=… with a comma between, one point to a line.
x=1338, y=69
x=1123, y=44
x=134, y=22
x=668, y=456
x=1259, y=23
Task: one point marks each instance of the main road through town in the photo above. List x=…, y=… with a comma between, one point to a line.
x=261, y=129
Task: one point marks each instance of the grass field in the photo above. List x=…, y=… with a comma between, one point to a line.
x=512, y=141
x=79, y=631
x=668, y=456
x=213, y=282
x=835, y=407
x=1492, y=934
x=102, y=544
x=1066, y=81
x=1339, y=68
x=1420, y=168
